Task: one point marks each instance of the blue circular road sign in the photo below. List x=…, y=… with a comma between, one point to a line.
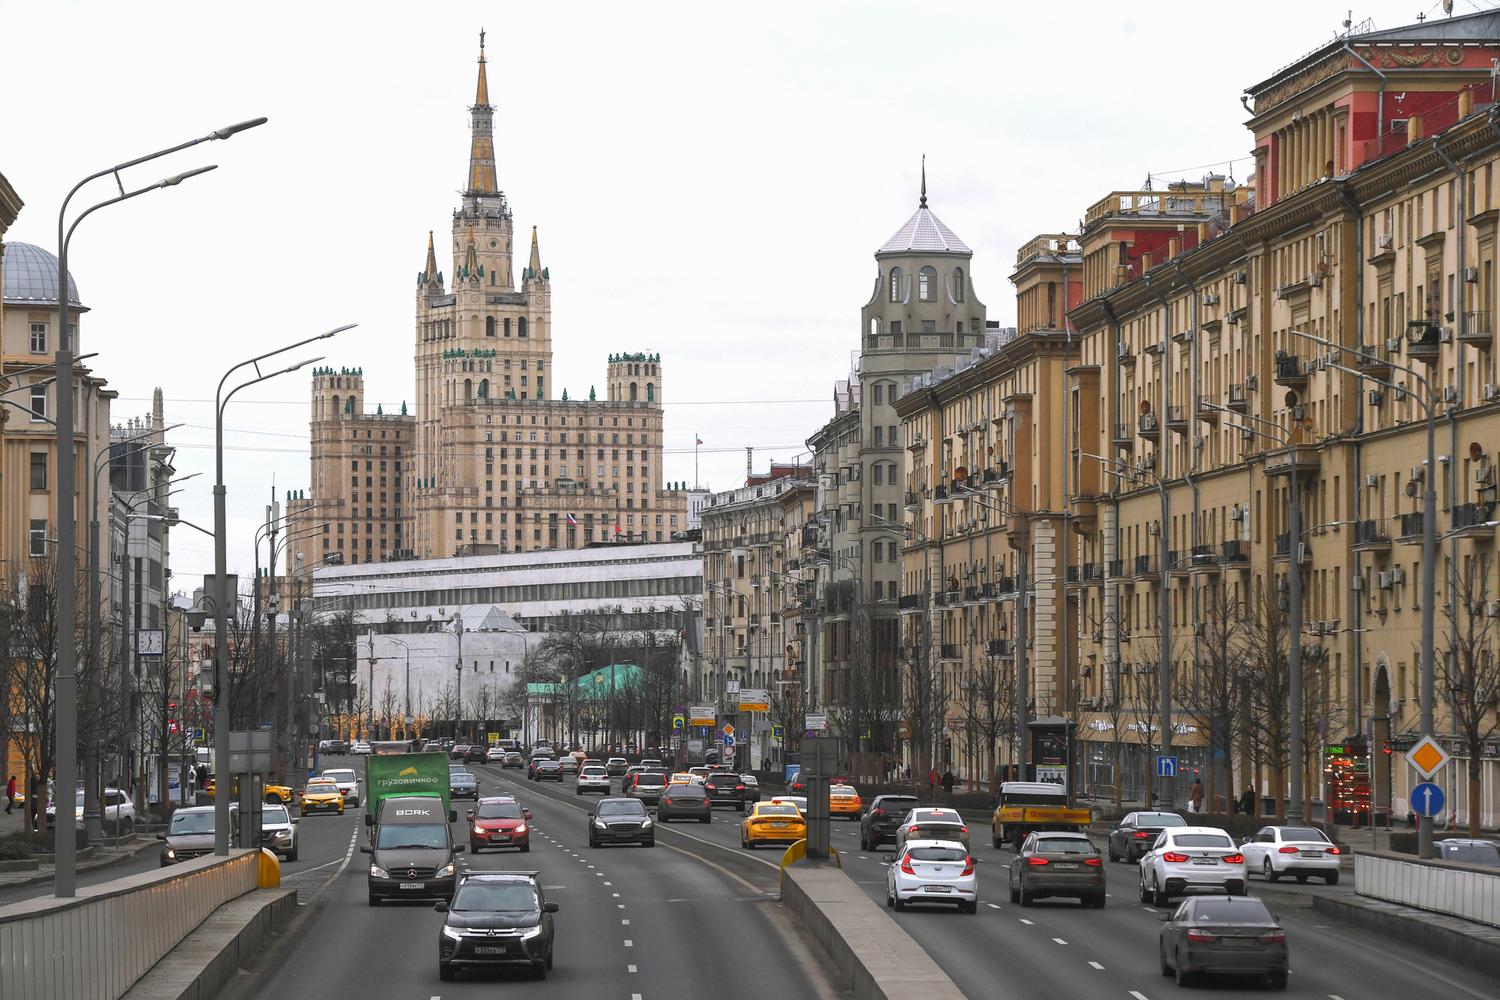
x=1427, y=799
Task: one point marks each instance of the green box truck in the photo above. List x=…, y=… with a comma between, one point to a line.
x=404, y=775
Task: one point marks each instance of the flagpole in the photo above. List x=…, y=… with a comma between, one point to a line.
x=696, y=442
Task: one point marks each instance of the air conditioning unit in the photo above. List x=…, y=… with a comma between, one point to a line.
x=1387, y=579
x=1417, y=474
x=1314, y=280
x=1492, y=609
x=1491, y=392
x=1450, y=394
x=1393, y=345
x=1234, y=512
x=1122, y=351
x=1471, y=275
x=1445, y=335
x=1240, y=277
x=1484, y=473
x=1252, y=382
x=1210, y=298
x=1303, y=552
x=1372, y=480
x=1398, y=575
x=1384, y=241
x=1299, y=413
x=1376, y=397
x=1400, y=393
x=1152, y=528
x=1357, y=584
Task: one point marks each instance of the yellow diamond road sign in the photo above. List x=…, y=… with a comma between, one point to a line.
x=1427, y=757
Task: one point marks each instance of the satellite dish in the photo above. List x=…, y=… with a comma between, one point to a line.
x=1291, y=397
x=1411, y=487
x=1448, y=7
x=1475, y=451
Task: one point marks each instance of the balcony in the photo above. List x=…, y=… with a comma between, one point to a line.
x=1235, y=551
x=1115, y=568
x=1144, y=566
x=1177, y=418
x=1409, y=531
x=1472, y=520
x=971, y=595
x=1284, y=548
x=909, y=501
x=1372, y=536
x=1479, y=329
x=987, y=592
x=1002, y=648
x=1372, y=362
x=1208, y=412
x=1424, y=341
x=940, y=494
x=1005, y=586
x=1072, y=574
x=949, y=651
x=1239, y=399
x=1203, y=559
x=909, y=602
x=1299, y=459
x=1148, y=427
x=1124, y=436
x=1289, y=371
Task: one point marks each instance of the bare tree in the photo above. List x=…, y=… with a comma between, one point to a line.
x=1212, y=696
x=1145, y=702
x=1470, y=671
x=1268, y=680
x=987, y=707
x=925, y=703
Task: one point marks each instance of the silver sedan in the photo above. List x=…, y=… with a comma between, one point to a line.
x=932, y=823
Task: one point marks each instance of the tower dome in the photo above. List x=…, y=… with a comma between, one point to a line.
x=31, y=277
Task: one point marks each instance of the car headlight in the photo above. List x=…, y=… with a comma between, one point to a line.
x=171, y=854
x=645, y=823
x=452, y=932
x=446, y=870
x=531, y=932
x=599, y=824
x=378, y=872
x=520, y=827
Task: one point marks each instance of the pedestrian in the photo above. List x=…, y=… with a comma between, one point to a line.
x=1197, y=795
x=10, y=794
x=932, y=780
x=1247, y=801
x=948, y=782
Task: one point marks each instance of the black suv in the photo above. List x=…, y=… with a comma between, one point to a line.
x=476, y=753
x=496, y=918
x=621, y=821
x=880, y=821
x=1132, y=838
x=724, y=788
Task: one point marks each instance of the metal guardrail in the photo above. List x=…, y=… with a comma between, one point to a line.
x=97, y=944
x=1456, y=890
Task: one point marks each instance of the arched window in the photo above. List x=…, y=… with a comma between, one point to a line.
x=484, y=388
x=927, y=285
x=521, y=327
x=650, y=392
x=895, y=284
x=507, y=326
x=632, y=392
x=958, y=284
x=336, y=410
x=489, y=326
x=874, y=327
x=468, y=388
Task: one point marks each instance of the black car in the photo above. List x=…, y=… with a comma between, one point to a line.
x=336, y=747
x=725, y=788
x=684, y=802
x=880, y=821
x=1058, y=863
x=546, y=769
x=458, y=751
x=476, y=753
x=496, y=919
x=1132, y=838
x=1234, y=934
x=463, y=785
x=621, y=821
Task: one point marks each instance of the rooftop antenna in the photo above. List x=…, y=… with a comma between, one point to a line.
x=1448, y=7
x=1348, y=21
x=923, y=203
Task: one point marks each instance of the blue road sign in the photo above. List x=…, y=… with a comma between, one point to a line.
x=729, y=742
x=1427, y=799
x=1166, y=767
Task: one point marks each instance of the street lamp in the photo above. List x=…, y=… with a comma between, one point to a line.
x=65, y=880
x=221, y=572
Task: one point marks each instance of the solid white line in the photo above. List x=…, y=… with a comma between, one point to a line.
x=1059, y=940
x=1334, y=996
x=1028, y=923
x=1097, y=966
x=635, y=996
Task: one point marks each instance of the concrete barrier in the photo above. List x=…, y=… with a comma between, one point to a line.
x=97, y=944
x=878, y=959
x=1457, y=890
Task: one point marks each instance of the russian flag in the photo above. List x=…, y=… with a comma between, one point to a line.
x=572, y=520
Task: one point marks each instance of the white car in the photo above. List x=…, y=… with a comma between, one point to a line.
x=494, y=753
x=932, y=823
x=1300, y=851
x=116, y=811
x=347, y=781
x=593, y=778
x=360, y=747
x=800, y=801
x=1186, y=859
x=278, y=831
x=932, y=871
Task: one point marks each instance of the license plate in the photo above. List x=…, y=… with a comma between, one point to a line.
x=1237, y=942
x=500, y=836
x=1312, y=854
x=939, y=888
x=413, y=885
x=1064, y=865
x=778, y=826
x=1205, y=861
x=489, y=950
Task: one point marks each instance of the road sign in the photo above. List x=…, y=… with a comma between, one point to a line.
x=728, y=729
x=1166, y=767
x=754, y=700
x=1427, y=757
x=817, y=722
x=702, y=715
x=728, y=741
x=1427, y=799
x=678, y=722
x=778, y=732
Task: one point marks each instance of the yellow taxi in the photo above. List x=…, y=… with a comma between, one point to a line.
x=844, y=801
x=772, y=822
x=322, y=795
x=280, y=793
x=682, y=778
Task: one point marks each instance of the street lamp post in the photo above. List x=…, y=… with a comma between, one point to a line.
x=65, y=880
x=222, y=719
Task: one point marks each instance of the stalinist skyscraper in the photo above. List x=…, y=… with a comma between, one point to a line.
x=498, y=457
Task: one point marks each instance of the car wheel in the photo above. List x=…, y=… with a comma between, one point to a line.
x=1268, y=871
x=1159, y=895
x=1112, y=855
x=129, y=826
x=540, y=970
x=593, y=843
x=1099, y=901
x=526, y=847
x=445, y=972
x=972, y=907
x=1301, y=878
x=1161, y=951
x=1026, y=898
x=1332, y=878
x=1278, y=979
x=1184, y=977
x=705, y=819
x=1145, y=893
x=996, y=842
x=890, y=901
x=293, y=855
x=740, y=808
x=1015, y=897
x=899, y=906
x=549, y=958
x=651, y=842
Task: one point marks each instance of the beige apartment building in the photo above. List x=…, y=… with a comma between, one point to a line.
x=1194, y=405
x=495, y=456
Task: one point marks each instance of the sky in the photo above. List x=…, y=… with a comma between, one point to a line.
x=709, y=181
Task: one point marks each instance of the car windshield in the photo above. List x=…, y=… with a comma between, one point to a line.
x=498, y=810
x=842, y=791
x=1064, y=845
x=1481, y=853
x=1159, y=819
x=936, y=854
x=897, y=805
x=1247, y=910
x=777, y=809
x=491, y=897
x=1202, y=840
x=186, y=822
x=462, y=778
x=1302, y=833
x=274, y=814
x=416, y=835
x=622, y=807
x=340, y=775
x=321, y=788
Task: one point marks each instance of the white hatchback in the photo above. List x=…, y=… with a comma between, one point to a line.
x=593, y=778
x=1186, y=859
x=1300, y=851
x=347, y=781
x=932, y=871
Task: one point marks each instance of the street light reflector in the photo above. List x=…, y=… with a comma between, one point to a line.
x=337, y=329
x=177, y=179
x=229, y=130
x=302, y=364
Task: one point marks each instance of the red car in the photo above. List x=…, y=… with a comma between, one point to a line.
x=499, y=821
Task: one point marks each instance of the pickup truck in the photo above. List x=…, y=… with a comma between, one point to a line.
x=1028, y=806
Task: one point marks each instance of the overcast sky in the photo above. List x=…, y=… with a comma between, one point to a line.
x=710, y=181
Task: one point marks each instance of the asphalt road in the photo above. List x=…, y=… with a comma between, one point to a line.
x=635, y=923
x=1058, y=949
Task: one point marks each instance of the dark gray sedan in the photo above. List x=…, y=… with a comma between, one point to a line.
x=1131, y=839
x=621, y=821
x=685, y=802
x=463, y=785
x=1223, y=934
x=1057, y=864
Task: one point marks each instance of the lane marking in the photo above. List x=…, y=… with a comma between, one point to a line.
x=1028, y=923
x=635, y=996
x=631, y=968
x=1097, y=966
x=629, y=943
x=993, y=906
x=1059, y=940
x=624, y=923
x=1139, y=995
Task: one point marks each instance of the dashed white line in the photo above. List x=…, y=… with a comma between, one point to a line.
x=635, y=996
x=1097, y=966
x=625, y=922
x=1028, y=923
x=1334, y=996
x=619, y=906
x=1059, y=940
x=1139, y=995
x=616, y=895
x=629, y=943
x=631, y=968
x=993, y=906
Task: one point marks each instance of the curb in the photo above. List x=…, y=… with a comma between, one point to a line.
x=1473, y=945
x=207, y=959
x=86, y=866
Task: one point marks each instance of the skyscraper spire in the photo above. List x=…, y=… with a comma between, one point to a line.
x=923, y=202
x=431, y=259
x=535, y=266
x=482, y=144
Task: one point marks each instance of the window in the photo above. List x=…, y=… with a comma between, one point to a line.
x=489, y=326
x=521, y=327
x=39, y=338
x=958, y=284
x=895, y=284
x=880, y=392
x=39, y=470
x=38, y=402
x=927, y=285
x=38, y=537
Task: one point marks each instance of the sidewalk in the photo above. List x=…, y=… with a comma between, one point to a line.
x=15, y=874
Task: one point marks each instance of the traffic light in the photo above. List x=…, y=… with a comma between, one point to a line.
x=1386, y=746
